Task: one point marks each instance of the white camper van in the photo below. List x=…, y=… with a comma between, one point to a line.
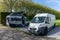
x=42, y=23
x=16, y=19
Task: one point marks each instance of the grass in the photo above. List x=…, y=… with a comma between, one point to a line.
x=57, y=22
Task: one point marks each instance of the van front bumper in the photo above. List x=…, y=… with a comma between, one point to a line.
x=35, y=32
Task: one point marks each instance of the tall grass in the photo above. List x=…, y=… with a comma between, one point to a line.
x=57, y=22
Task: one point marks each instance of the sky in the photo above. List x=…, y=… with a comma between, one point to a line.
x=54, y=4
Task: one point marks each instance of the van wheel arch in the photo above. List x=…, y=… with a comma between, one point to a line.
x=54, y=25
x=45, y=31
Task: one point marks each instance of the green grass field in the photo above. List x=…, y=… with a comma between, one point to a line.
x=57, y=22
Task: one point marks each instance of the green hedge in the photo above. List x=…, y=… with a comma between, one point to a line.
x=0, y=18
x=3, y=17
x=28, y=15
x=4, y=14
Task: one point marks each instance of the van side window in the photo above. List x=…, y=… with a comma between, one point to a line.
x=26, y=19
x=47, y=20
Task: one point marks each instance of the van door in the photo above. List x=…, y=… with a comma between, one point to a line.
x=50, y=22
x=7, y=21
x=26, y=21
x=23, y=22
x=47, y=22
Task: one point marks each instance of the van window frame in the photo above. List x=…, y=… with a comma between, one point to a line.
x=47, y=20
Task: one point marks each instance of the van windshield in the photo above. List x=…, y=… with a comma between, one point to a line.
x=16, y=19
x=38, y=19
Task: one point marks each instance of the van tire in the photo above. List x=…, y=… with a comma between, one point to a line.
x=27, y=24
x=54, y=26
x=45, y=31
x=12, y=26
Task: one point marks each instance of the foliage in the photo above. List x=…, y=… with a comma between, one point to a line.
x=2, y=7
x=15, y=5
x=57, y=22
x=0, y=17
x=3, y=17
x=30, y=8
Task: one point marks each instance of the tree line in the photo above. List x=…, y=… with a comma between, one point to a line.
x=28, y=6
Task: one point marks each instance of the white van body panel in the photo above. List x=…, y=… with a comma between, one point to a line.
x=51, y=20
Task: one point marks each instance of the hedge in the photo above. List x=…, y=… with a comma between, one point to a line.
x=3, y=17
x=4, y=14
x=0, y=18
x=28, y=15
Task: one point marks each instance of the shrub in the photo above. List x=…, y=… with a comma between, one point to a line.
x=28, y=15
x=3, y=17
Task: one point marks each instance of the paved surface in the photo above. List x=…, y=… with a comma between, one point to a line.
x=9, y=34
x=55, y=33
x=13, y=34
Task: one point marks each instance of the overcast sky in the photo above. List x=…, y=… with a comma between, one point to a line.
x=55, y=4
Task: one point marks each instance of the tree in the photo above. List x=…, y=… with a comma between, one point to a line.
x=14, y=4
x=28, y=6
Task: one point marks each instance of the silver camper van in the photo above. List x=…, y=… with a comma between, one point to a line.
x=16, y=19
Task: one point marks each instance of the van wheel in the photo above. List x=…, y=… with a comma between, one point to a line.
x=27, y=24
x=45, y=32
x=54, y=25
x=11, y=25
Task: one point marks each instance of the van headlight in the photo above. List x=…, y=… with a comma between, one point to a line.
x=32, y=28
x=28, y=28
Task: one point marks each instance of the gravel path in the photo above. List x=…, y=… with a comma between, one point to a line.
x=54, y=33
x=10, y=34
x=13, y=34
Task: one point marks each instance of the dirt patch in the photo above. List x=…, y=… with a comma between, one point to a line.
x=13, y=34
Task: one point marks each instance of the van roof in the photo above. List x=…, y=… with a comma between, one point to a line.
x=42, y=14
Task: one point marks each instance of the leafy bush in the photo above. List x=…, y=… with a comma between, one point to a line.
x=58, y=23
x=31, y=10
x=0, y=17
x=3, y=17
